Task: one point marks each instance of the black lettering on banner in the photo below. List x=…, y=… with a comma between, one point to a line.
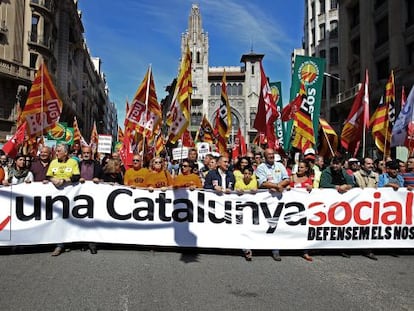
x=161, y=206
x=388, y=233
x=200, y=207
x=65, y=204
x=311, y=233
x=273, y=220
x=110, y=207
x=187, y=213
x=36, y=209
x=148, y=209
x=240, y=207
x=411, y=235
x=290, y=215
x=76, y=211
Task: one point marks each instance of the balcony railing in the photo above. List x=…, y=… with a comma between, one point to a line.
x=42, y=41
x=348, y=94
x=16, y=70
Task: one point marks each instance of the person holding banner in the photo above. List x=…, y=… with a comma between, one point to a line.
x=186, y=178
x=41, y=164
x=335, y=176
x=62, y=171
x=89, y=168
x=272, y=175
x=135, y=176
x=220, y=179
x=158, y=176
x=19, y=173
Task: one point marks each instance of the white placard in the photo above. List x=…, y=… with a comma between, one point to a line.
x=105, y=144
x=180, y=153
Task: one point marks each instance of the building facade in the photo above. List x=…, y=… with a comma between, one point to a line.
x=321, y=40
x=243, y=82
x=50, y=31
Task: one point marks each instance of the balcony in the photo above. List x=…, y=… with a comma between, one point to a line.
x=42, y=6
x=16, y=71
x=348, y=94
x=40, y=42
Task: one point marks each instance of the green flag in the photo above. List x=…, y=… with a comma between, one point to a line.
x=309, y=70
x=276, y=88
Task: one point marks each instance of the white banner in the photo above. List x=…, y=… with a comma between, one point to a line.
x=371, y=218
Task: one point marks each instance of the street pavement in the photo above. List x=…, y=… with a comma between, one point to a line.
x=144, y=278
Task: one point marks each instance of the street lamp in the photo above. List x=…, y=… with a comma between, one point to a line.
x=328, y=93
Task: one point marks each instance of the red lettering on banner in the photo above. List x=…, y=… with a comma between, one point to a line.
x=332, y=212
x=364, y=212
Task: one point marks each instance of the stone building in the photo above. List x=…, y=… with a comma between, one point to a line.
x=50, y=31
x=243, y=82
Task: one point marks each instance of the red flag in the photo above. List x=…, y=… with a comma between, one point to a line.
x=239, y=146
x=266, y=111
x=12, y=146
x=187, y=139
x=358, y=118
x=125, y=153
x=43, y=106
x=289, y=111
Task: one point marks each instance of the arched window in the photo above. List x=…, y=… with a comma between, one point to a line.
x=240, y=89
x=212, y=89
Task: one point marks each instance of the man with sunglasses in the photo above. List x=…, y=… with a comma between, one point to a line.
x=135, y=176
x=186, y=178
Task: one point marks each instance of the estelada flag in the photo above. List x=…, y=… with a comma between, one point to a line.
x=43, y=106
x=11, y=147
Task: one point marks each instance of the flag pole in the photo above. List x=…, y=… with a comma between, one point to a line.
x=146, y=106
x=41, y=97
x=329, y=144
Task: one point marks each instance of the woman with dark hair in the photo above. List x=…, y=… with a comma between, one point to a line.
x=18, y=173
x=241, y=164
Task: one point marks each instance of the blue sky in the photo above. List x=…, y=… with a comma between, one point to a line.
x=129, y=35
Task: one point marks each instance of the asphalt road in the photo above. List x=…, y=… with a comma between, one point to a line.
x=134, y=278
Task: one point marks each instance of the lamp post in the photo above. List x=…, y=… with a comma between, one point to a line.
x=328, y=94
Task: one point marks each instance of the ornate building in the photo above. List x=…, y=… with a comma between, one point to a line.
x=50, y=31
x=243, y=82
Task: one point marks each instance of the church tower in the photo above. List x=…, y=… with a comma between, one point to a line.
x=197, y=41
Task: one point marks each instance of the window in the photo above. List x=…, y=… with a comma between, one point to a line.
x=252, y=69
x=356, y=47
x=334, y=86
x=334, y=4
x=240, y=89
x=410, y=53
x=410, y=12
x=322, y=31
x=321, y=6
x=212, y=89
x=382, y=69
x=322, y=53
x=333, y=29
x=198, y=57
x=378, y=3
x=313, y=10
x=252, y=118
x=33, y=59
x=353, y=14
x=33, y=31
x=333, y=56
x=381, y=29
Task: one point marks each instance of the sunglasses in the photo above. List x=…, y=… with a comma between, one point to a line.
x=157, y=162
x=135, y=160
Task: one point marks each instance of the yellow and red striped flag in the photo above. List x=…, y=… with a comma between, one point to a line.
x=381, y=124
x=328, y=139
x=223, y=120
x=43, y=106
x=120, y=134
x=77, y=136
x=94, y=139
x=144, y=114
x=160, y=144
x=180, y=113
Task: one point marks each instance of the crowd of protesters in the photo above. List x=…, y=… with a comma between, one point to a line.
x=217, y=172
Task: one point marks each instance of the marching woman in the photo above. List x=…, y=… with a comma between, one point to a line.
x=19, y=173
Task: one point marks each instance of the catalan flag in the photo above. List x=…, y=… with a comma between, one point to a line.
x=77, y=135
x=144, y=114
x=328, y=139
x=381, y=119
x=43, y=106
x=179, y=115
x=223, y=118
x=94, y=139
